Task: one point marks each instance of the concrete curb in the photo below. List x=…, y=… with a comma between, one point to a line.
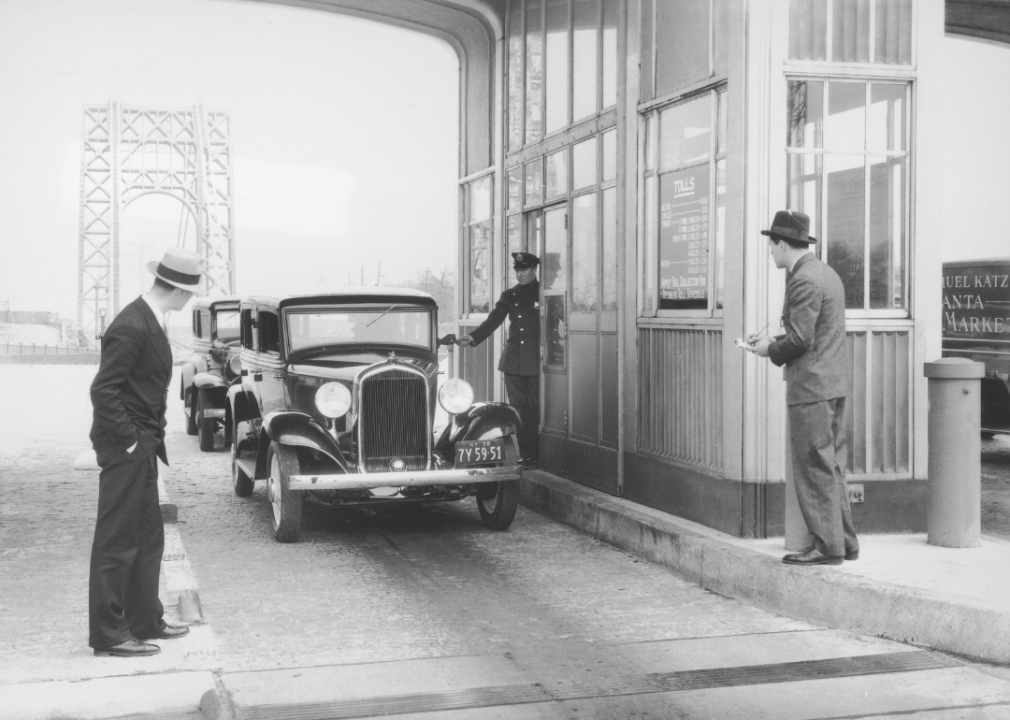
x=838, y=600
x=155, y=695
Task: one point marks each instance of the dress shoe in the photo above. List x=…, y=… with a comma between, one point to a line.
x=131, y=648
x=852, y=554
x=811, y=556
x=169, y=632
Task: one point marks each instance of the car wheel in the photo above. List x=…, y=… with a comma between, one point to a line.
x=205, y=424
x=191, y=428
x=285, y=503
x=242, y=483
x=496, y=503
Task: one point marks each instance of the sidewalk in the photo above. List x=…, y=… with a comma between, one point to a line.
x=954, y=600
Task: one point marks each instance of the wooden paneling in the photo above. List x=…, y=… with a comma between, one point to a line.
x=878, y=412
x=680, y=395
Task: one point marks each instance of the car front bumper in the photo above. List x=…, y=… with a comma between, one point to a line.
x=367, y=481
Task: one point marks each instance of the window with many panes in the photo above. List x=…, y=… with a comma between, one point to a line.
x=684, y=225
x=847, y=153
x=562, y=65
x=876, y=32
x=479, y=229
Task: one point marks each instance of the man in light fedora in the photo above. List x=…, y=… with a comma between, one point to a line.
x=129, y=395
x=812, y=349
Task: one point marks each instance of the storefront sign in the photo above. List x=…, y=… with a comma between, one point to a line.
x=684, y=238
x=976, y=314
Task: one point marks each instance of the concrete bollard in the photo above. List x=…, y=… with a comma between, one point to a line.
x=954, y=515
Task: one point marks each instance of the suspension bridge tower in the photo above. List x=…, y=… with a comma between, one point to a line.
x=129, y=152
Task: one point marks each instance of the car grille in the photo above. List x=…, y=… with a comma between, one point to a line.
x=393, y=421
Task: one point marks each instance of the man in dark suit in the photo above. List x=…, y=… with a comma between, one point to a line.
x=129, y=394
x=520, y=360
x=817, y=381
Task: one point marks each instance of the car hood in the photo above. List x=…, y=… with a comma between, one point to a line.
x=346, y=366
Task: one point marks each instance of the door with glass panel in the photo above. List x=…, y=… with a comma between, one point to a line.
x=554, y=266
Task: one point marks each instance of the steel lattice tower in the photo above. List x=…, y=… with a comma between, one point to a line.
x=131, y=152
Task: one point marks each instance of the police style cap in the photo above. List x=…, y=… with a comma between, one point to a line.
x=790, y=225
x=523, y=260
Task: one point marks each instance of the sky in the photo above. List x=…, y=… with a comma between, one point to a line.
x=344, y=138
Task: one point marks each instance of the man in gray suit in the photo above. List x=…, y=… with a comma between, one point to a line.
x=817, y=380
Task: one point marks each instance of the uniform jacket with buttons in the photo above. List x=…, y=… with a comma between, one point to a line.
x=130, y=390
x=521, y=305
x=813, y=346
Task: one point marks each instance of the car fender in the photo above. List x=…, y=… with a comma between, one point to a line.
x=486, y=421
x=209, y=381
x=298, y=429
x=242, y=405
x=188, y=371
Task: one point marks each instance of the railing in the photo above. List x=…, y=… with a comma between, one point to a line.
x=23, y=348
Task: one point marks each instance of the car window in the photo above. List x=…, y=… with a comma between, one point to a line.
x=227, y=325
x=399, y=325
x=247, y=329
x=203, y=325
x=269, y=334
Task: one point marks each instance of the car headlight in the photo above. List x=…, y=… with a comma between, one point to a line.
x=456, y=396
x=235, y=364
x=333, y=400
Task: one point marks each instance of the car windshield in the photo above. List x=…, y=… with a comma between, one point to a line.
x=400, y=325
x=227, y=324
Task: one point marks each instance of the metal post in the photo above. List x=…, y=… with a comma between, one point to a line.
x=954, y=515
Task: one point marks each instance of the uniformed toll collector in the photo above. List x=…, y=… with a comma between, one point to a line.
x=520, y=360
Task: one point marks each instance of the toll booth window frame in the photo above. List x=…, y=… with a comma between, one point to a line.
x=672, y=159
x=478, y=244
x=848, y=168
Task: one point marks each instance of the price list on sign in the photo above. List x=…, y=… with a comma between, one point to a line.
x=684, y=238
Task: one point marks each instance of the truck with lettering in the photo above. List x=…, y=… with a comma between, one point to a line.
x=976, y=326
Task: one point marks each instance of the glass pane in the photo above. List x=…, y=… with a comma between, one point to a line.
x=720, y=232
x=850, y=36
x=684, y=238
x=513, y=238
x=720, y=41
x=515, y=60
x=480, y=267
x=585, y=265
x=534, y=171
x=893, y=32
x=648, y=251
x=723, y=126
x=610, y=249
x=650, y=142
x=557, y=173
x=887, y=232
x=609, y=155
x=480, y=199
x=808, y=29
x=557, y=64
x=534, y=71
x=515, y=185
x=555, y=341
x=682, y=54
x=609, y=53
x=585, y=19
x=887, y=117
x=584, y=164
x=686, y=133
x=845, y=128
x=646, y=50
x=804, y=178
x=555, y=272
x=844, y=229
x=806, y=113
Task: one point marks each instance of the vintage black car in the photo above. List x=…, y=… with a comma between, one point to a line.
x=336, y=406
x=205, y=378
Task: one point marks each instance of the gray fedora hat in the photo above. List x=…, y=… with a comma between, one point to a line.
x=790, y=225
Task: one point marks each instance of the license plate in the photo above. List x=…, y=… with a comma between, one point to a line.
x=479, y=452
